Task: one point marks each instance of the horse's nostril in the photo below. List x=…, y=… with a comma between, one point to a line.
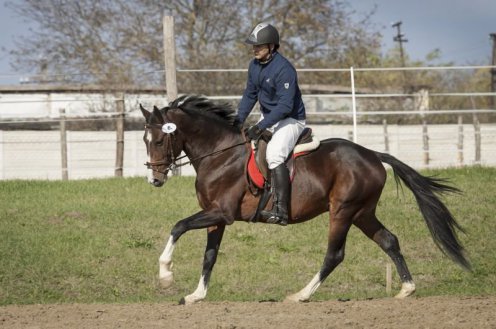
x=157, y=183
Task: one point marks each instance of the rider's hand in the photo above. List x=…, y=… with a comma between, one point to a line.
x=254, y=133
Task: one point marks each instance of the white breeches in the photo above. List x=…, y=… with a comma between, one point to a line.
x=285, y=133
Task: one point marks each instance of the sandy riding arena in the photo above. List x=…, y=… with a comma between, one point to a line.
x=426, y=312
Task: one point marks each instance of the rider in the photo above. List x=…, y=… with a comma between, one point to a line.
x=273, y=82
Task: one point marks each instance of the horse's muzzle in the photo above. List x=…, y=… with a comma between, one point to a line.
x=157, y=182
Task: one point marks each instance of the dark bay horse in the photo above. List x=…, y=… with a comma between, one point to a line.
x=340, y=177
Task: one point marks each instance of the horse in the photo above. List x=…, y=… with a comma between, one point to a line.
x=339, y=177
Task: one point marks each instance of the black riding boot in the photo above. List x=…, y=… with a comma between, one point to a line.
x=280, y=195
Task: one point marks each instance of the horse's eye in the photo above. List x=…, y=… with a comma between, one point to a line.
x=160, y=142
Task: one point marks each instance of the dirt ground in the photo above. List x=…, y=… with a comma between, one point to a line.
x=427, y=312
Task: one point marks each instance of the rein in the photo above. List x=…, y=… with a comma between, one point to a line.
x=209, y=154
x=172, y=166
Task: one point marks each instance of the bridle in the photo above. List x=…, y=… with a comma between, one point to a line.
x=172, y=165
x=169, y=144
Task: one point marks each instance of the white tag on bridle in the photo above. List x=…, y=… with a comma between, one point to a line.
x=169, y=128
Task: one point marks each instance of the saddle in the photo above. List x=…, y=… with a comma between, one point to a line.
x=258, y=170
x=257, y=167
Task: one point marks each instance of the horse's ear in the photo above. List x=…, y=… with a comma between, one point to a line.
x=146, y=113
x=157, y=114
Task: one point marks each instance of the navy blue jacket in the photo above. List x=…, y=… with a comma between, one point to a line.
x=275, y=86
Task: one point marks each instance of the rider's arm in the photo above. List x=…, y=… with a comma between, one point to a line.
x=250, y=96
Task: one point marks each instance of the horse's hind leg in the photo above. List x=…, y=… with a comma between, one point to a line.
x=388, y=242
x=335, y=254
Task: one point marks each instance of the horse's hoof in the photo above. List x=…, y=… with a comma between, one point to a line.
x=407, y=289
x=189, y=300
x=295, y=298
x=166, y=280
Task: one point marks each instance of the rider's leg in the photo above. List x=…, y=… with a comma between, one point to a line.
x=284, y=138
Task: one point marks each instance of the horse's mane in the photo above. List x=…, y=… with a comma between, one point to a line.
x=198, y=104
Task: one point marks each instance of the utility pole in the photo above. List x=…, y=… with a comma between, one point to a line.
x=493, y=70
x=400, y=39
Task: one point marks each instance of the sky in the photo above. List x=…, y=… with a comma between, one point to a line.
x=458, y=28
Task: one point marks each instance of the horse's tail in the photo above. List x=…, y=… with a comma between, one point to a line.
x=438, y=218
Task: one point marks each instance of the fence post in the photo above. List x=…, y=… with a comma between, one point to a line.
x=353, y=104
x=477, y=136
x=389, y=278
x=460, y=140
x=119, y=128
x=422, y=103
x=170, y=58
x=425, y=140
x=170, y=65
x=63, y=144
x=386, y=135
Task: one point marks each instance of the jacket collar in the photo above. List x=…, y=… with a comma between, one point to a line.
x=274, y=54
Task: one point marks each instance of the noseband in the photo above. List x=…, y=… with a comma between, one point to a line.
x=172, y=165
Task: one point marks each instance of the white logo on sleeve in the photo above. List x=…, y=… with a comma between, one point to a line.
x=286, y=85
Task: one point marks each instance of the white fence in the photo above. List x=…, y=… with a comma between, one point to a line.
x=37, y=155
x=29, y=154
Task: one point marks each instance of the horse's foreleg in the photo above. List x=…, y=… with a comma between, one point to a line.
x=200, y=220
x=214, y=239
x=165, y=264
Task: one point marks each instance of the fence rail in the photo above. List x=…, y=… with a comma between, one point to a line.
x=76, y=154
x=92, y=154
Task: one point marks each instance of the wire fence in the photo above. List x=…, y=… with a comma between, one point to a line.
x=92, y=154
x=31, y=142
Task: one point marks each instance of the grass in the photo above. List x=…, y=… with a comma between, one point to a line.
x=98, y=241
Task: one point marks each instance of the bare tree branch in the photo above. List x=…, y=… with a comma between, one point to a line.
x=120, y=41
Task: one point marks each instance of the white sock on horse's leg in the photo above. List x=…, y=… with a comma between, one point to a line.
x=199, y=294
x=305, y=294
x=165, y=264
x=407, y=289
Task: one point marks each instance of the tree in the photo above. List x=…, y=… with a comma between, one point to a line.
x=120, y=42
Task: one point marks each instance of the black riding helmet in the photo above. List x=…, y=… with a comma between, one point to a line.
x=263, y=34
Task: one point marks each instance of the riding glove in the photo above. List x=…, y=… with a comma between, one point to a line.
x=254, y=133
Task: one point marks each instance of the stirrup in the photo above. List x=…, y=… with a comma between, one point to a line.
x=275, y=219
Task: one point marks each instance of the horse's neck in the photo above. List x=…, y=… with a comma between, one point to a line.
x=209, y=141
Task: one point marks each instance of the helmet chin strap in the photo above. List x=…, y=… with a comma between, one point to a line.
x=269, y=57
